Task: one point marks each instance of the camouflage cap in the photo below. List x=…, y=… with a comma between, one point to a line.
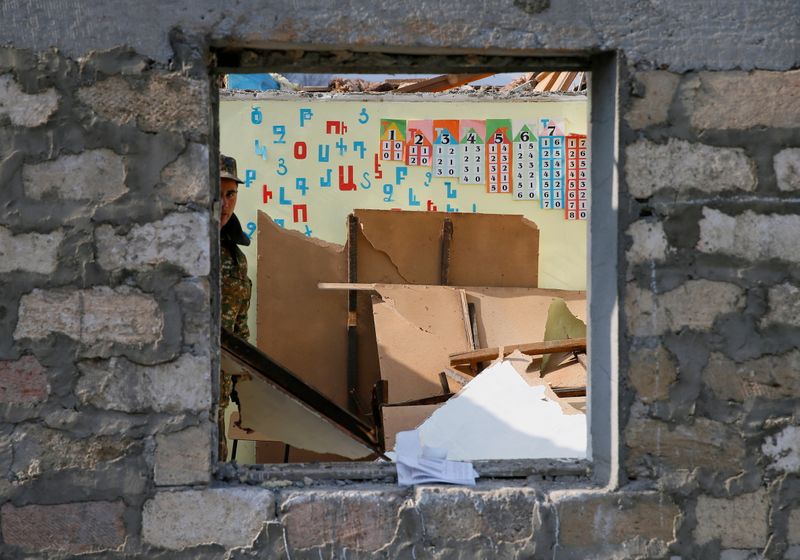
x=227, y=168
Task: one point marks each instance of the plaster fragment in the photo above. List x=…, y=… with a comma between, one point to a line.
x=694, y=305
x=100, y=314
x=96, y=176
x=738, y=522
x=163, y=102
x=742, y=100
x=29, y=252
x=653, y=107
x=683, y=166
x=783, y=449
x=25, y=109
x=183, y=457
x=118, y=384
x=784, y=306
x=231, y=517
x=751, y=236
x=787, y=169
x=649, y=243
x=181, y=239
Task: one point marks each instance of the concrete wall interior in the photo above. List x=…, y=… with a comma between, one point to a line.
x=108, y=231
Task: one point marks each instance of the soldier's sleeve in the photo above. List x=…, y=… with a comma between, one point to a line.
x=241, y=323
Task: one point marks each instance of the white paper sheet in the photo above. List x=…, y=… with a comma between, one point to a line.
x=418, y=464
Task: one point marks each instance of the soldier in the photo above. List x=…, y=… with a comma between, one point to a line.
x=236, y=286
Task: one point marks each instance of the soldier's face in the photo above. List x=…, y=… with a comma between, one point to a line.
x=227, y=194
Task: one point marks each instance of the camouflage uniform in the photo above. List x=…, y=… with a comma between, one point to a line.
x=236, y=289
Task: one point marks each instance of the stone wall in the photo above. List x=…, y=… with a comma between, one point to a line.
x=107, y=321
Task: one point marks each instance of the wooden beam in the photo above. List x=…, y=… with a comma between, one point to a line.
x=352, y=313
x=380, y=396
x=354, y=286
x=530, y=349
x=563, y=81
x=444, y=263
x=441, y=83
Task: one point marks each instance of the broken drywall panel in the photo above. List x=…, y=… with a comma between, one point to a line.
x=280, y=416
x=494, y=250
x=485, y=250
x=399, y=247
x=568, y=374
x=300, y=326
x=508, y=316
x=417, y=328
x=528, y=368
x=403, y=418
x=499, y=416
x=561, y=324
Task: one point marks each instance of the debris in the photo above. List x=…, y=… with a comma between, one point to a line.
x=499, y=416
x=278, y=405
x=420, y=464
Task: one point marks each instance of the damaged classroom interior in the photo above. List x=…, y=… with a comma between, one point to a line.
x=418, y=259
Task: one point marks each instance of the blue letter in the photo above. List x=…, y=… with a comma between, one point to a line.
x=249, y=177
x=305, y=115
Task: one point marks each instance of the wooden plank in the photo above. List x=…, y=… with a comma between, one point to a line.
x=352, y=314
x=457, y=376
x=447, y=238
x=472, y=316
x=348, y=286
x=441, y=83
x=467, y=323
x=544, y=83
x=289, y=267
x=531, y=349
x=564, y=79
x=445, y=384
x=417, y=328
x=380, y=395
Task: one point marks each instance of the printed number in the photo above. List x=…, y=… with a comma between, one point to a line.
x=524, y=136
x=498, y=137
x=445, y=138
x=418, y=139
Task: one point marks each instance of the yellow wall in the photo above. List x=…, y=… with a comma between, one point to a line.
x=562, y=253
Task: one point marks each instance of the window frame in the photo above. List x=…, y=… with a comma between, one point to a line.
x=601, y=467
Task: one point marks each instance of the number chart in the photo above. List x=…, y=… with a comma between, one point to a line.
x=525, y=158
x=393, y=140
x=472, y=157
x=498, y=136
x=445, y=148
x=420, y=146
x=577, y=178
x=551, y=165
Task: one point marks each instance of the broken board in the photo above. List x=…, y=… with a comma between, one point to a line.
x=417, y=328
x=518, y=315
x=299, y=325
x=486, y=249
x=281, y=407
x=403, y=418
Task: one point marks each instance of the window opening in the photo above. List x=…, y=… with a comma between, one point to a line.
x=405, y=231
